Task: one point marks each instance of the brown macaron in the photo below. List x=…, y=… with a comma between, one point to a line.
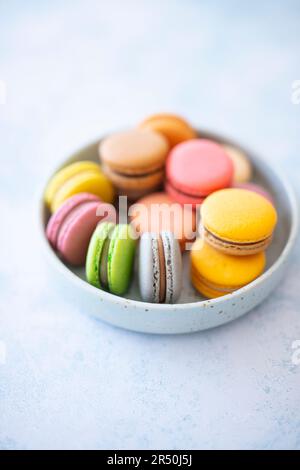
x=134, y=161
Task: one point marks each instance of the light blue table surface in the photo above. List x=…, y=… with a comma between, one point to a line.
x=76, y=69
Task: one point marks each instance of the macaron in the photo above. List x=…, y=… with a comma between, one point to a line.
x=158, y=212
x=241, y=164
x=238, y=221
x=134, y=161
x=195, y=169
x=214, y=273
x=110, y=257
x=78, y=177
x=160, y=268
x=70, y=228
x=174, y=128
x=256, y=188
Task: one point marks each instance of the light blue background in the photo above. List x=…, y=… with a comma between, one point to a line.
x=75, y=69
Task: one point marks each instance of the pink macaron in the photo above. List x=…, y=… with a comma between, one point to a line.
x=195, y=169
x=70, y=228
x=256, y=189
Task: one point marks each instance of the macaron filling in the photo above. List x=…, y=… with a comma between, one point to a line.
x=156, y=280
x=96, y=262
x=104, y=258
x=142, y=174
x=162, y=270
x=249, y=246
x=169, y=267
x=103, y=271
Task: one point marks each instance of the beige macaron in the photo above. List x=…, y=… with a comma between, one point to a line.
x=134, y=161
x=242, y=166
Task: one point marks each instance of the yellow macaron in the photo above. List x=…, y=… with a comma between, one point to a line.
x=79, y=177
x=174, y=128
x=214, y=273
x=238, y=221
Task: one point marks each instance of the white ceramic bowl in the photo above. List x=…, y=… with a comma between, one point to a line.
x=192, y=313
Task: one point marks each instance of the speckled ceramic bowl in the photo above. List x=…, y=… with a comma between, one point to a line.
x=191, y=313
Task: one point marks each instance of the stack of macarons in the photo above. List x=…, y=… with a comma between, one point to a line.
x=167, y=171
x=78, y=177
x=78, y=197
x=236, y=228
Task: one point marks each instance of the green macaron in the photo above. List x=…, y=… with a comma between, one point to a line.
x=109, y=261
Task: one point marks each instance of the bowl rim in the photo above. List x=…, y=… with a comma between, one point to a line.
x=121, y=301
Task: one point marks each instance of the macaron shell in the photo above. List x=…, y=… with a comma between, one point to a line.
x=225, y=270
x=57, y=219
x=120, y=259
x=76, y=231
x=135, y=194
x=206, y=291
x=173, y=267
x=182, y=198
x=241, y=164
x=238, y=215
x=134, y=152
x=198, y=167
x=91, y=181
x=64, y=175
x=157, y=212
x=149, y=268
x=165, y=116
x=172, y=127
x=92, y=266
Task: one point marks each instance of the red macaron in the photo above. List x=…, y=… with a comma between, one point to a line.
x=195, y=169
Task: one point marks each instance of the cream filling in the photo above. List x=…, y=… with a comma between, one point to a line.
x=136, y=174
x=209, y=236
x=103, y=268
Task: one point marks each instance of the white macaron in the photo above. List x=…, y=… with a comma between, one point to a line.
x=160, y=267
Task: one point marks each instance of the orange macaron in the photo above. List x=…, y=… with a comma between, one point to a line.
x=158, y=212
x=134, y=161
x=174, y=128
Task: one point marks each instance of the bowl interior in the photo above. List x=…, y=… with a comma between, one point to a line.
x=263, y=175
